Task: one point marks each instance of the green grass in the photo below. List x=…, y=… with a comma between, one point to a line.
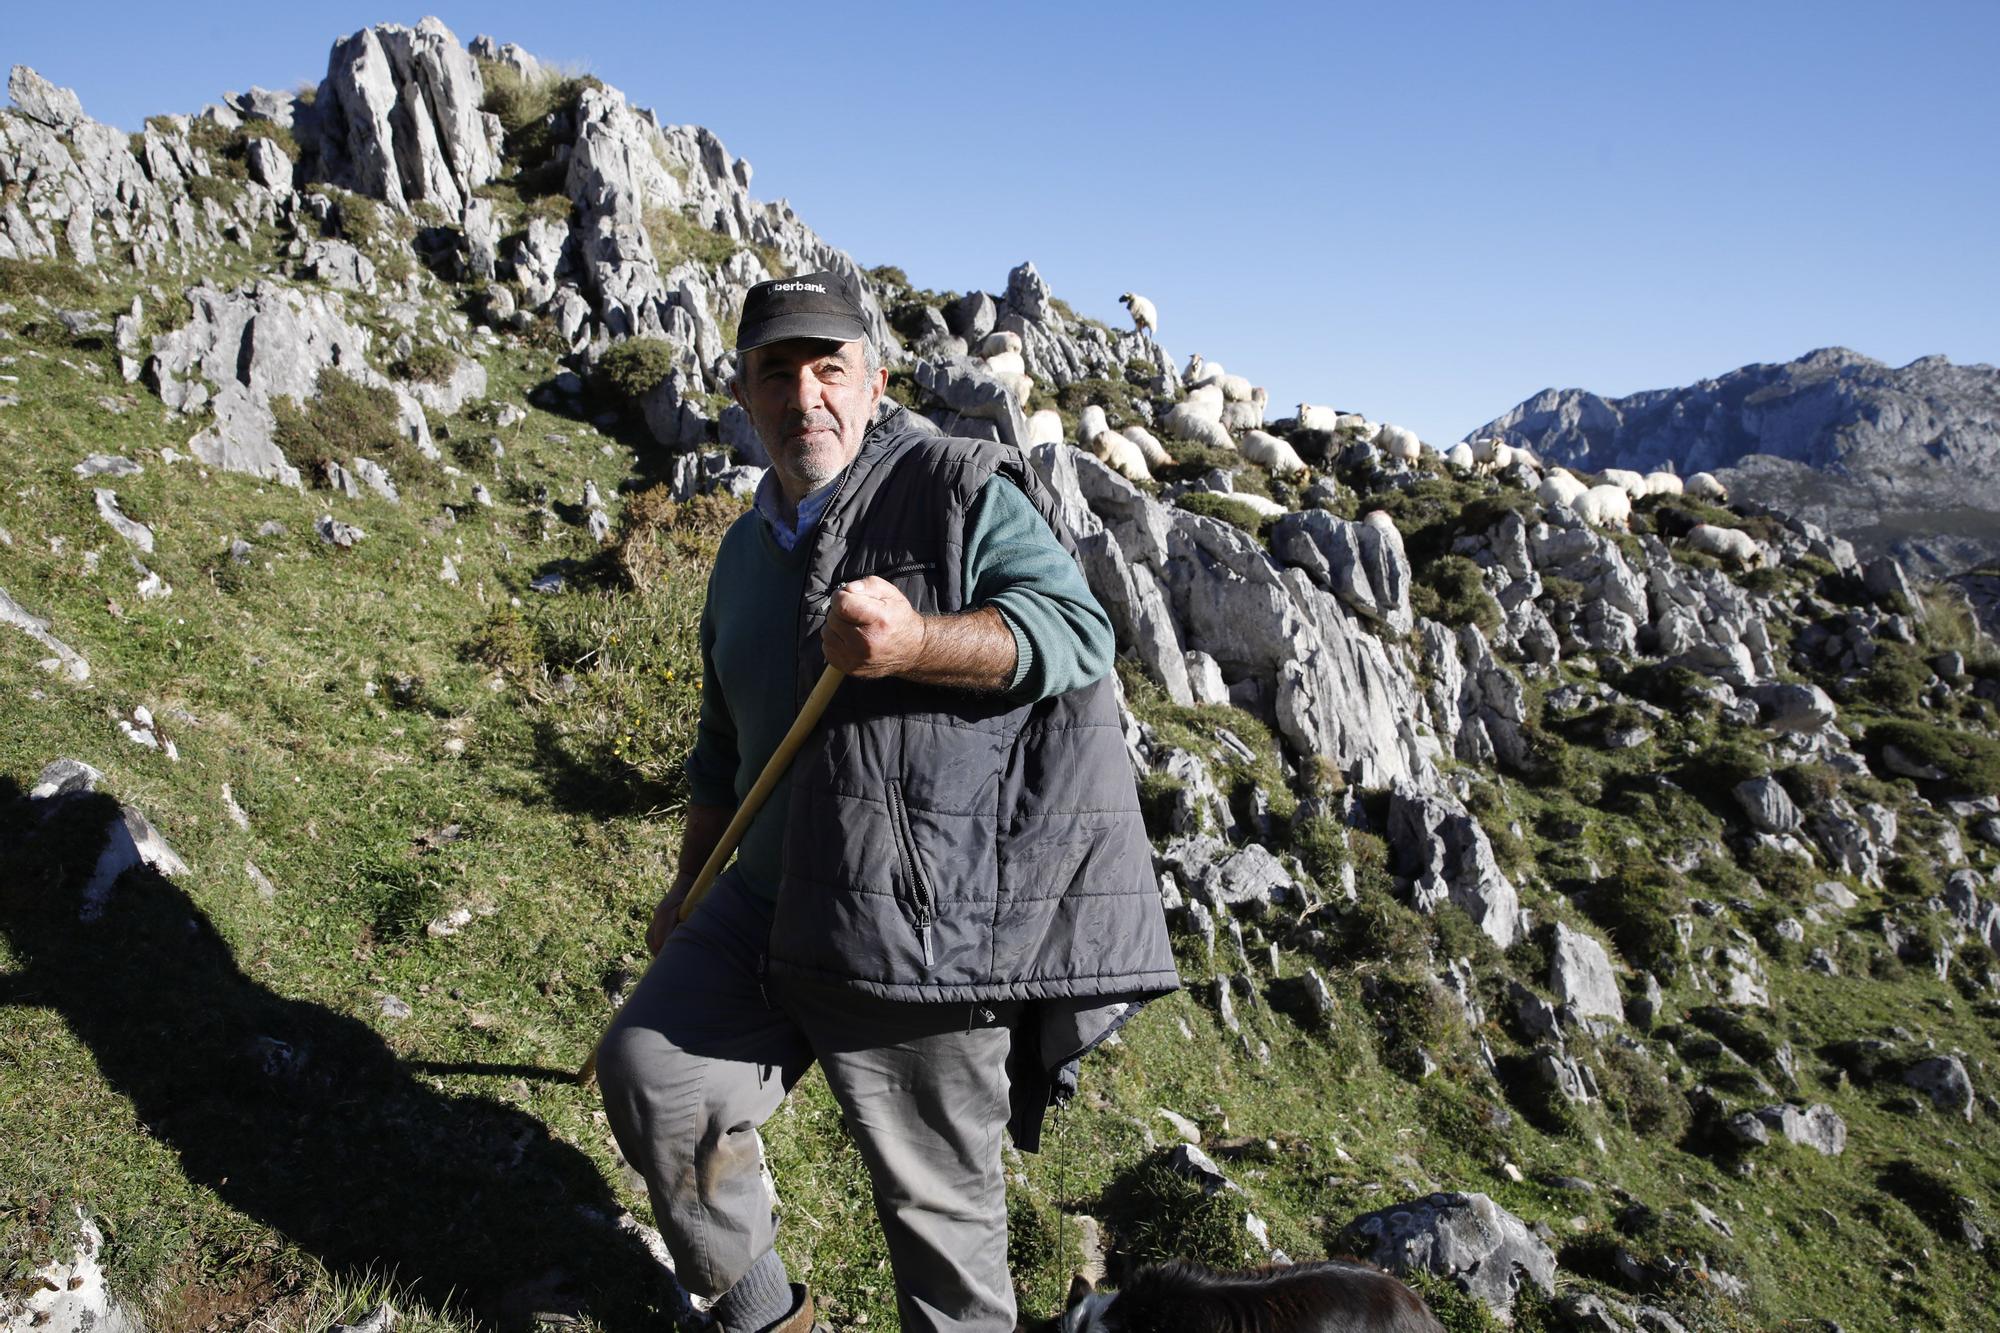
x=404, y=748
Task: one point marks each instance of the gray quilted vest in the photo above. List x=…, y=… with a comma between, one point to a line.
x=944, y=844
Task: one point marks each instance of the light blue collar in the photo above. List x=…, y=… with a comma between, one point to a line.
x=770, y=502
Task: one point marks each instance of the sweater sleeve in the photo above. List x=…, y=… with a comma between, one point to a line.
x=1013, y=562
x=711, y=765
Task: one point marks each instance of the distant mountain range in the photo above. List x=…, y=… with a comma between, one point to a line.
x=1903, y=459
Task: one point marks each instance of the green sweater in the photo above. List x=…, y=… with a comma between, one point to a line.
x=1013, y=562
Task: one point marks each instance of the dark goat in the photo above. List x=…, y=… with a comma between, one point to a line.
x=1326, y=1296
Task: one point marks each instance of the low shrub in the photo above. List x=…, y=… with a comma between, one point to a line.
x=1895, y=680
x=1637, y=903
x=1715, y=770
x=631, y=369
x=1969, y=761
x=1636, y=1087
x=1320, y=843
x=1158, y=1214
x=656, y=532
x=1227, y=508
x=431, y=362
x=1451, y=589
x=344, y=419
x=677, y=235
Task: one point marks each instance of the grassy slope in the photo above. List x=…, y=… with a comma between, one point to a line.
x=441, y=1160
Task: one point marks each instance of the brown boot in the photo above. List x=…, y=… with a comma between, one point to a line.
x=800, y=1320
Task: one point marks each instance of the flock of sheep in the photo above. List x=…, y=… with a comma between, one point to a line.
x=1227, y=412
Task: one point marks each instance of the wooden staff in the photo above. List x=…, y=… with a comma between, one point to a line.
x=760, y=791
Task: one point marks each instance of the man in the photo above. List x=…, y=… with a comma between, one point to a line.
x=949, y=899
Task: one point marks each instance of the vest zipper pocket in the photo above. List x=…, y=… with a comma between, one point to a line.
x=913, y=871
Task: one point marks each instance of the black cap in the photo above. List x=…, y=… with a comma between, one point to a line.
x=811, y=305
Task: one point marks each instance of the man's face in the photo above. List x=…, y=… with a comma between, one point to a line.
x=810, y=401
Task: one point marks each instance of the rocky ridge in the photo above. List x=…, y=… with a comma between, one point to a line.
x=1898, y=459
x=1650, y=784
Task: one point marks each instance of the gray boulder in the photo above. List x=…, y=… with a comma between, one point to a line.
x=35, y=627
x=268, y=165
x=1799, y=709
x=1190, y=1161
x=1945, y=1081
x=1140, y=617
x=971, y=316
x=398, y=118
x=1768, y=806
x=1250, y=875
x=133, y=531
x=1448, y=855
x=39, y=100
x=1467, y=1239
x=1580, y=974
x=338, y=264
x=970, y=392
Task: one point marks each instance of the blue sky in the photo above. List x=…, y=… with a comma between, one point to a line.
x=1422, y=212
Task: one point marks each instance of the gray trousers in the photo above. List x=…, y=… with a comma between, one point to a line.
x=706, y=1049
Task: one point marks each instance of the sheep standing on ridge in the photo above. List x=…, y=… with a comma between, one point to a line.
x=1045, y=427
x=1732, y=544
x=1704, y=486
x=1200, y=371
x=1121, y=455
x=1247, y=415
x=1186, y=421
x=1400, y=443
x=1144, y=318
x=998, y=341
x=1663, y=483
x=1236, y=389
x=1312, y=416
x=1626, y=480
x=1205, y=400
x=1560, y=488
x=1273, y=453
x=1605, y=506
x=1460, y=458
x=1150, y=448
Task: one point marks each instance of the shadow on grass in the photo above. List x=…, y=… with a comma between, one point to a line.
x=300, y=1117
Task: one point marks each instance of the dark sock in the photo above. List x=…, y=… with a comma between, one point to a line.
x=760, y=1298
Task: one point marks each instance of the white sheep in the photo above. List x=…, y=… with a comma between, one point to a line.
x=998, y=341
x=1312, y=416
x=1605, y=506
x=1460, y=457
x=1022, y=386
x=1007, y=363
x=1185, y=422
x=1273, y=453
x=1732, y=544
x=1094, y=434
x=1663, y=483
x=1628, y=481
x=1236, y=389
x=1400, y=443
x=1265, y=508
x=1154, y=452
x=1359, y=424
x=1205, y=400
x=1559, y=487
x=1201, y=372
x=1144, y=318
x=1045, y=427
x=1482, y=451
x=1091, y=423
x=1242, y=416
x=1704, y=486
